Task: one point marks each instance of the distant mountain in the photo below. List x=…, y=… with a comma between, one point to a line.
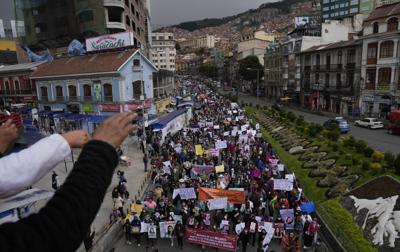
x=282, y=7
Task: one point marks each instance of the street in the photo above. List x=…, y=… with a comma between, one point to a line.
x=377, y=139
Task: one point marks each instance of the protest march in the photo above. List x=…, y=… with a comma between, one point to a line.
x=217, y=183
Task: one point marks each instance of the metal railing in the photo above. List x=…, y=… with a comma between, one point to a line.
x=16, y=92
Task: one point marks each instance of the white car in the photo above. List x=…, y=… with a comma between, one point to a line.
x=371, y=123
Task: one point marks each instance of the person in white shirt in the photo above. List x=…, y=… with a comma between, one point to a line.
x=23, y=169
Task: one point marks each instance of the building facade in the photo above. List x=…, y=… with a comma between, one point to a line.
x=16, y=87
x=380, y=92
x=331, y=77
x=207, y=41
x=163, y=52
x=81, y=85
x=331, y=9
x=273, y=71
x=54, y=24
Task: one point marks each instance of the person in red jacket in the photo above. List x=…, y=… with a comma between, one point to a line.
x=62, y=224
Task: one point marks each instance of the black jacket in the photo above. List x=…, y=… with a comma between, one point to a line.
x=65, y=220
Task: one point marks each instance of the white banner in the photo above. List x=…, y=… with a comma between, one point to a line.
x=281, y=167
x=167, y=228
x=219, y=203
x=152, y=231
x=184, y=193
x=109, y=41
x=283, y=185
x=220, y=145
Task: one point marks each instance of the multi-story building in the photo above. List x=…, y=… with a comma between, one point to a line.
x=53, y=24
x=163, y=51
x=81, y=85
x=330, y=79
x=16, y=85
x=273, y=71
x=380, y=92
x=293, y=45
x=331, y=9
x=207, y=41
x=254, y=43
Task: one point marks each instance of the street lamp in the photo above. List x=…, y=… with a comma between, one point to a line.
x=258, y=80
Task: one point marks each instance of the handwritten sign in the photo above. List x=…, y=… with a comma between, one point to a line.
x=184, y=193
x=283, y=185
x=219, y=169
x=219, y=203
x=220, y=145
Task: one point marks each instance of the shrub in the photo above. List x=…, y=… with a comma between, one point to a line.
x=348, y=157
x=258, y=106
x=250, y=104
x=375, y=168
x=356, y=161
x=335, y=147
x=349, y=142
x=389, y=159
x=377, y=156
x=365, y=165
x=360, y=145
x=265, y=107
x=300, y=120
x=334, y=134
x=397, y=164
x=291, y=116
x=368, y=152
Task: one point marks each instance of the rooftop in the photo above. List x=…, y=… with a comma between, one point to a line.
x=20, y=67
x=384, y=11
x=335, y=45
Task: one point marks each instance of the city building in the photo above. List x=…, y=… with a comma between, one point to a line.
x=163, y=51
x=331, y=10
x=331, y=75
x=273, y=71
x=252, y=46
x=81, y=85
x=16, y=87
x=294, y=44
x=187, y=64
x=54, y=24
x=380, y=92
x=10, y=29
x=163, y=83
x=207, y=41
x=8, y=52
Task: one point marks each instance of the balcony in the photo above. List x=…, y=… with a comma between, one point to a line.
x=383, y=87
x=16, y=92
x=115, y=26
x=371, y=61
x=307, y=68
x=115, y=3
x=351, y=66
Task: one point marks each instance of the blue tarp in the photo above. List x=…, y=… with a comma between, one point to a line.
x=74, y=117
x=183, y=104
x=96, y=118
x=163, y=121
x=49, y=113
x=308, y=207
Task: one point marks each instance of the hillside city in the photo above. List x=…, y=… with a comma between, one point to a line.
x=273, y=129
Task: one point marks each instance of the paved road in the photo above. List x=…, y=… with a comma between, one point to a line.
x=377, y=139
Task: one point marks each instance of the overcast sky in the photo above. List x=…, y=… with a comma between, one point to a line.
x=167, y=12
x=6, y=9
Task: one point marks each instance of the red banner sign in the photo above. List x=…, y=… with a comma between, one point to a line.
x=211, y=239
x=137, y=105
x=234, y=197
x=110, y=107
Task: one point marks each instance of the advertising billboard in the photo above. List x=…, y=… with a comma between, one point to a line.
x=307, y=22
x=110, y=41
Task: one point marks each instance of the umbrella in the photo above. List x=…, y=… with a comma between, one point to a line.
x=308, y=207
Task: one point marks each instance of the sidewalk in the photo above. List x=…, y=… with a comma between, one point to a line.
x=134, y=174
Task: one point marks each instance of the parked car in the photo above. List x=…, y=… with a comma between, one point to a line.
x=394, y=119
x=340, y=122
x=394, y=129
x=369, y=122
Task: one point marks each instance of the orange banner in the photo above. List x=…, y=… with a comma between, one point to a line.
x=234, y=197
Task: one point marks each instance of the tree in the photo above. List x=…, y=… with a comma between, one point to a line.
x=248, y=68
x=177, y=46
x=209, y=70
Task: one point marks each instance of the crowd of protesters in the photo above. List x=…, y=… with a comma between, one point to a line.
x=245, y=162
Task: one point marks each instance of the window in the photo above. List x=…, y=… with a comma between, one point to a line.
x=387, y=49
x=85, y=16
x=351, y=56
x=338, y=80
x=350, y=79
x=136, y=63
x=87, y=90
x=127, y=3
x=393, y=24
x=108, y=93
x=326, y=80
x=318, y=60
x=72, y=90
x=375, y=27
x=127, y=20
x=339, y=59
x=372, y=53
x=59, y=92
x=328, y=61
x=6, y=85
x=43, y=92
x=371, y=78
x=137, y=89
x=16, y=85
x=384, y=76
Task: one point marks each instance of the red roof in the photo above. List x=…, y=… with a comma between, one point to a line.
x=384, y=11
x=93, y=63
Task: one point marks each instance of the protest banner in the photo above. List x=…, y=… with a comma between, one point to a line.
x=211, y=239
x=167, y=167
x=281, y=167
x=283, y=185
x=219, y=203
x=234, y=197
x=199, y=150
x=287, y=216
x=213, y=152
x=224, y=225
x=219, y=169
x=203, y=169
x=216, y=126
x=273, y=162
x=202, y=124
x=243, y=127
x=166, y=228
x=290, y=177
x=137, y=208
x=257, y=126
x=209, y=124
x=144, y=227
x=184, y=193
x=221, y=145
x=268, y=238
x=239, y=228
x=152, y=231
x=226, y=133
